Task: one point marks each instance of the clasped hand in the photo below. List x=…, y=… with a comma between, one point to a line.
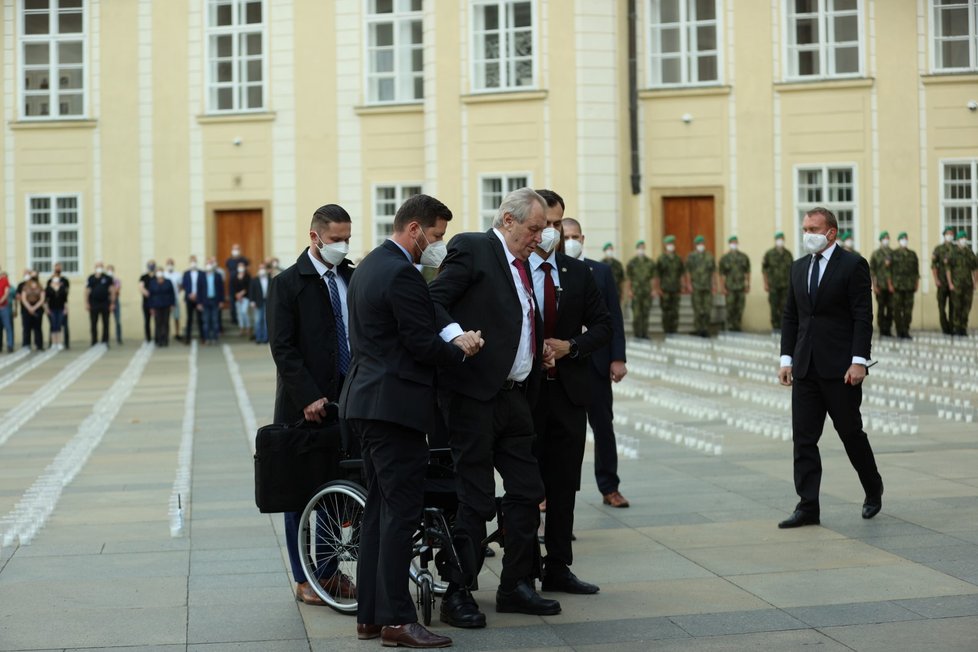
x=470, y=342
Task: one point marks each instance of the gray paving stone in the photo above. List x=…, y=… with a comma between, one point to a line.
x=613, y=631
x=946, y=606
x=295, y=645
x=857, y=613
x=780, y=641
x=738, y=622
x=944, y=634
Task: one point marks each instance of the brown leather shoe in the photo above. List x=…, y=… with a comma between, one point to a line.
x=615, y=499
x=339, y=586
x=304, y=593
x=367, y=632
x=412, y=635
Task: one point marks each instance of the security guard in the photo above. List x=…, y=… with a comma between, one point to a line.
x=961, y=273
x=906, y=280
x=776, y=269
x=734, y=282
x=881, y=269
x=617, y=269
x=938, y=268
x=668, y=284
x=700, y=270
x=640, y=271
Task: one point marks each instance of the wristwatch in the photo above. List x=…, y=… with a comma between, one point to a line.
x=574, y=349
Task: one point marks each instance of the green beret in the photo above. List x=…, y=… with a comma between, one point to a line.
x=948, y=228
x=846, y=235
x=884, y=234
x=607, y=246
x=640, y=243
x=779, y=234
x=903, y=234
x=669, y=239
x=698, y=239
x=962, y=234
x=732, y=238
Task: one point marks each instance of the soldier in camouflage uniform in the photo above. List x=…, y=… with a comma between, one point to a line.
x=847, y=242
x=776, y=269
x=700, y=272
x=734, y=282
x=961, y=272
x=617, y=269
x=881, y=270
x=640, y=271
x=938, y=268
x=669, y=284
x=906, y=280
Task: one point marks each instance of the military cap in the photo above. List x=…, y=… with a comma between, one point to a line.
x=962, y=234
x=732, y=238
x=640, y=243
x=779, y=234
x=948, y=228
x=607, y=246
x=903, y=234
x=698, y=239
x=884, y=234
x=846, y=235
x=669, y=239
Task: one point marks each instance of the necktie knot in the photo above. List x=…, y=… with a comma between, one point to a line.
x=546, y=267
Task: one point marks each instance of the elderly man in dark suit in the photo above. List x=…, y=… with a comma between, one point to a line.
x=825, y=344
x=484, y=284
x=389, y=402
x=307, y=324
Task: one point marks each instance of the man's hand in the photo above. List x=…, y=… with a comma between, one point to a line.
x=784, y=376
x=936, y=282
x=855, y=374
x=470, y=342
x=950, y=287
x=548, y=357
x=618, y=371
x=315, y=411
x=559, y=347
x=200, y=308
x=88, y=307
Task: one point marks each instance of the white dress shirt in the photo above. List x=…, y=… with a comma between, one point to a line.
x=538, y=287
x=321, y=269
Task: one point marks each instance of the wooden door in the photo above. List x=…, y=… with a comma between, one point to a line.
x=686, y=218
x=243, y=227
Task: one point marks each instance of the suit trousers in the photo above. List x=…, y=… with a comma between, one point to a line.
x=600, y=414
x=193, y=313
x=96, y=313
x=495, y=433
x=147, y=320
x=811, y=399
x=394, y=462
x=161, y=319
x=561, y=433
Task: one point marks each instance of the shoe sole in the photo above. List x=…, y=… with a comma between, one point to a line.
x=460, y=625
x=509, y=610
x=569, y=592
x=873, y=513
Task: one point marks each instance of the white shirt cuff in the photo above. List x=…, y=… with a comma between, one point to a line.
x=786, y=361
x=450, y=332
x=857, y=360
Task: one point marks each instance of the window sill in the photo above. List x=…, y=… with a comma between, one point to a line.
x=59, y=123
x=220, y=118
x=503, y=96
x=683, y=91
x=393, y=107
x=956, y=77
x=823, y=83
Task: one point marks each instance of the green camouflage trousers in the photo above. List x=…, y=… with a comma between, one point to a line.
x=776, y=298
x=641, y=304
x=735, y=309
x=944, y=308
x=902, y=311
x=884, y=311
x=669, y=302
x=702, y=305
x=961, y=300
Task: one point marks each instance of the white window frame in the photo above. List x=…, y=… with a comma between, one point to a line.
x=825, y=47
x=505, y=30
x=404, y=77
x=509, y=181
x=55, y=229
x=801, y=207
x=935, y=38
x=688, y=53
x=402, y=190
x=236, y=30
x=54, y=40
x=971, y=204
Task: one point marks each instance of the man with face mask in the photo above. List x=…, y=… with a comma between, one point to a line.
x=776, y=269
x=236, y=260
x=389, y=404
x=668, y=284
x=308, y=325
x=144, y=282
x=190, y=284
x=617, y=269
x=938, y=268
x=258, y=295
x=881, y=268
x=66, y=284
x=906, y=280
x=825, y=344
x=700, y=282
x=210, y=297
x=640, y=272
x=734, y=282
x=962, y=276
x=100, y=300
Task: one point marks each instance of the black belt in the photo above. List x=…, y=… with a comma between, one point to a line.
x=509, y=384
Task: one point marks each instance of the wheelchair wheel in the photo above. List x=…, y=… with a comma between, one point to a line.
x=329, y=542
x=426, y=598
x=437, y=586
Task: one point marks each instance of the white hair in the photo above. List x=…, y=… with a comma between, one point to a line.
x=519, y=204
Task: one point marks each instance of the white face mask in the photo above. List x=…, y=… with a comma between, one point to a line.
x=27, y=277
x=903, y=242
x=434, y=253
x=241, y=269
x=814, y=242
x=159, y=274
x=779, y=243
x=110, y=273
x=334, y=252
x=670, y=248
x=235, y=252
x=99, y=270
x=847, y=244
x=193, y=264
x=963, y=242
x=640, y=252
x=885, y=242
x=609, y=252
x=548, y=239
x=948, y=238
x=262, y=273
x=733, y=246
x=169, y=268
x=208, y=267
x=574, y=248
x=701, y=248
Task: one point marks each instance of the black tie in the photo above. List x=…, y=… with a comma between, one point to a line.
x=813, y=283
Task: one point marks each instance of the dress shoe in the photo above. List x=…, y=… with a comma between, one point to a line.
x=367, y=632
x=304, y=593
x=615, y=499
x=525, y=600
x=798, y=519
x=339, y=586
x=459, y=609
x=412, y=635
x=567, y=582
x=488, y=552
x=873, y=504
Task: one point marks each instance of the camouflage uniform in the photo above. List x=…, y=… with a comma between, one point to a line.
x=670, y=269
x=777, y=270
x=938, y=262
x=700, y=267
x=735, y=270
x=640, y=271
x=961, y=266
x=881, y=268
x=906, y=275
x=617, y=272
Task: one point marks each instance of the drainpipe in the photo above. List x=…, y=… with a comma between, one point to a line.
x=633, y=100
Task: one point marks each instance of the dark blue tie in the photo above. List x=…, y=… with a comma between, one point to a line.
x=813, y=283
x=343, y=347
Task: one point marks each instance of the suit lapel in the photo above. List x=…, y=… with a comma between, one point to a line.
x=497, y=249
x=830, y=266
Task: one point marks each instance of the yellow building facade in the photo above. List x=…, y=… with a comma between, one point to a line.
x=138, y=129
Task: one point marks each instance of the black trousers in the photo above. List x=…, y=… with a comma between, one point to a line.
x=811, y=399
x=192, y=314
x=161, y=317
x=147, y=318
x=495, y=433
x=394, y=463
x=600, y=414
x=96, y=313
x=33, y=328
x=561, y=433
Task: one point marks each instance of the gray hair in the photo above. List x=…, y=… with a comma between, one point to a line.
x=519, y=204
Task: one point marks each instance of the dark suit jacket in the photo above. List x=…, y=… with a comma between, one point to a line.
x=475, y=288
x=579, y=305
x=824, y=337
x=187, y=285
x=602, y=358
x=395, y=343
x=255, y=294
x=202, y=289
x=302, y=333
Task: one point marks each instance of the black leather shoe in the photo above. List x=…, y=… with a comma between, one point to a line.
x=459, y=609
x=525, y=600
x=873, y=504
x=568, y=582
x=798, y=519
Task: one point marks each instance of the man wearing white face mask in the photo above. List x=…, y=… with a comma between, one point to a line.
x=825, y=344
x=939, y=261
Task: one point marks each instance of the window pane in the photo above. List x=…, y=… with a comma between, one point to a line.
x=523, y=44
x=417, y=60
x=491, y=46
x=36, y=80
x=224, y=72
x=255, y=97
x=669, y=11
x=515, y=183
x=808, y=63
x=383, y=34
x=669, y=40
x=417, y=32
x=36, y=24
x=70, y=78
x=706, y=68
x=222, y=15
x=954, y=54
x=385, y=90
x=492, y=75
x=35, y=4
x=416, y=5
x=223, y=45
x=524, y=73
x=69, y=52
x=847, y=60
x=382, y=6
x=706, y=9
x=36, y=106
x=36, y=53
x=225, y=99
x=384, y=61
x=70, y=23
x=806, y=31
x=806, y=6
x=253, y=13
x=846, y=28
x=70, y=104
x=490, y=17
x=70, y=4
x=706, y=38
x=522, y=15
x=844, y=5
x=671, y=71
x=252, y=44
x=418, y=88
x=253, y=71
x=954, y=22
x=410, y=191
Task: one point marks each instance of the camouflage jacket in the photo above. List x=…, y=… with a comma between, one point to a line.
x=640, y=271
x=962, y=264
x=670, y=269
x=906, y=270
x=881, y=267
x=700, y=267
x=777, y=267
x=735, y=269
x=940, y=259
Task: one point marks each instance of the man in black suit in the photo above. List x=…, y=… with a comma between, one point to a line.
x=389, y=403
x=607, y=366
x=484, y=284
x=826, y=333
x=307, y=320
x=575, y=324
x=190, y=285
